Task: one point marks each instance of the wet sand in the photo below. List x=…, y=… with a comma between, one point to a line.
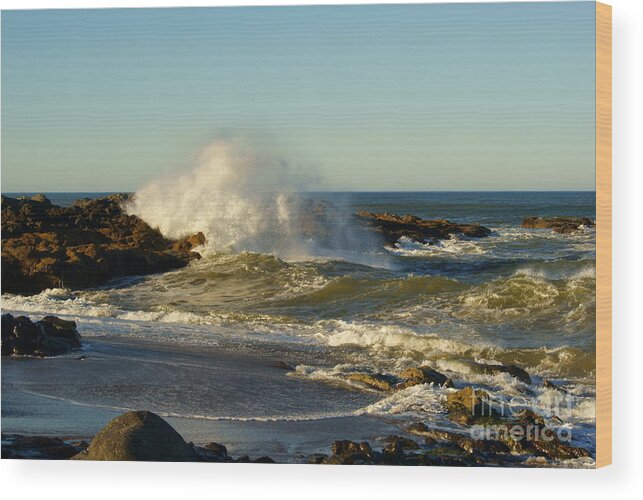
x=240, y=399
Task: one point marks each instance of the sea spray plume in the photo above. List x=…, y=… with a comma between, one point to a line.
x=242, y=201
x=238, y=200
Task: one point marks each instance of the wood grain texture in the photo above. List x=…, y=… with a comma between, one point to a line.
x=603, y=234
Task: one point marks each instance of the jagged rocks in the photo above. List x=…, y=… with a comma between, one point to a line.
x=393, y=227
x=85, y=245
x=562, y=225
x=50, y=336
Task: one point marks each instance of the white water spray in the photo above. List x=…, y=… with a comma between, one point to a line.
x=244, y=202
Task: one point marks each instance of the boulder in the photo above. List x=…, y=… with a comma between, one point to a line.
x=139, y=436
x=423, y=375
x=82, y=246
x=562, y=225
x=393, y=227
x=50, y=336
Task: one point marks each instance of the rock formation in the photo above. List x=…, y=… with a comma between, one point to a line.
x=393, y=227
x=85, y=245
x=50, y=336
x=562, y=225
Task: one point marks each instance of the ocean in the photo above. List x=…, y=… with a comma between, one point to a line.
x=186, y=343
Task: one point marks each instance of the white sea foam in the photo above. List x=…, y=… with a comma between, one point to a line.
x=456, y=245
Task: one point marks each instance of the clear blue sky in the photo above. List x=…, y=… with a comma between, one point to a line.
x=423, y=97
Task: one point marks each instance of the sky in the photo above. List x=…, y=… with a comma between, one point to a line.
x=368, y=98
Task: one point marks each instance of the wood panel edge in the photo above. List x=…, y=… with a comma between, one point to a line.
x=603, y=234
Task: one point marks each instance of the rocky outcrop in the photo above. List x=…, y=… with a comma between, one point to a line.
x=50, y=336
x=139, y=436
x=85, y=245
x=393, y=227
x=16, y=446
x=562, y=225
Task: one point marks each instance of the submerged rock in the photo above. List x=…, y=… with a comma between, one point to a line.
x=393, y=227
x=139, y=436
x=562, y=225
x=50, y=336
x=93, y=241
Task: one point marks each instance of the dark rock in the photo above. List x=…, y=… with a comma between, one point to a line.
x=423, y=375
x=418, y=428
x=562, y=225
x=139, y=436
x=264, y=460
x=85, y=245
x=284, y=366
x=393, y=227
x=345, y=447
x=513, y=370
x=551, y=385
x=50, y=336
x=401, y=442
x=316, y=458
x=39, y=447
x=213, y=452
x=350, y=453
x=217, y=448
x=62, y=329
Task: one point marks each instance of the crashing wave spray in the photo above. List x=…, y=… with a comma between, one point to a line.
x=244, y=202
